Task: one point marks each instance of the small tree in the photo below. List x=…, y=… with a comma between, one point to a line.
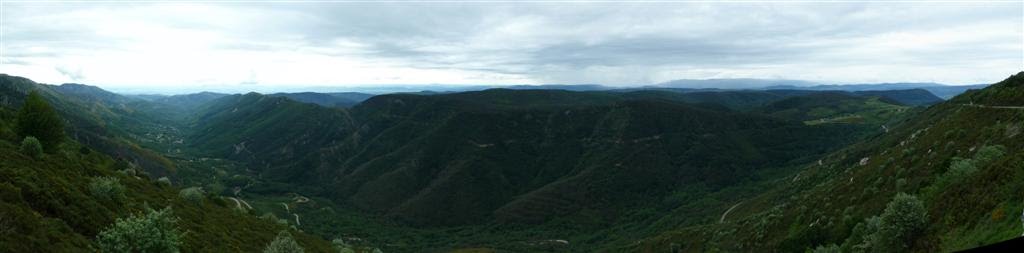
x=164, y=181
x=831, y=248
x=903, y=220
x=864, y=236
x=108, y=188
x=155, y=232
x=341, y=246
x=988, y=154
x=192, y=194
x=37, y=118
x=284, y=243
x=31, y=147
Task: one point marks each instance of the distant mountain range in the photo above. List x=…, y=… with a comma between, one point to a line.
x=943, y=91
x=940, y=90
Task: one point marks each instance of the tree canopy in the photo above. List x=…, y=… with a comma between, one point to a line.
x=38, y=119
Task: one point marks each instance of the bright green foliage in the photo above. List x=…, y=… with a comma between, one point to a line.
x=864, y=236
x=283, y=244
x=164, y=181
x=903, y=220
x=341, y=246
x=831, y=248
x=958, y=170
x=988, y=154
x=37, y=118
x=31, y=147
x=154, y=232
x=108, y=188
x=192, y=194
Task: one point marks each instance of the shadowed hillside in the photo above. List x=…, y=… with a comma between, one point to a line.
x=961, y=159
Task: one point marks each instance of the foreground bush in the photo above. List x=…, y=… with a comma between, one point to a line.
x=903, y=220
x=108, y=188
x=154, y=232
x=164, y=181
x=192, y=194
x=284, y=243
x=31, y=147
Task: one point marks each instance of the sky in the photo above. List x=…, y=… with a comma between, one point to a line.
x=197, y=45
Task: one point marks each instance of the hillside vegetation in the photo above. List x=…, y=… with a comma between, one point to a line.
x=541, y=164
x=68, y=198
x=501, y=169
x=960, y=160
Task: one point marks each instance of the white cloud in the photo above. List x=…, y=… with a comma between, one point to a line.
x=193, y=46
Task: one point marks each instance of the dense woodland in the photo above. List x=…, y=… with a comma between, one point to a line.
x=509, y=170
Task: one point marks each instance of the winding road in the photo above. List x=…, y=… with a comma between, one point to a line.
x=722, y=220
x=239, y=203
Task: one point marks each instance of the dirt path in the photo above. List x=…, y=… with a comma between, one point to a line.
x=722, y=220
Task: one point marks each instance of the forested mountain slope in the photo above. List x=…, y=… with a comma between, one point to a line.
x=515, y=155
x=498, y=169
x=73, y=198
x=959, y=162
x=101, y=120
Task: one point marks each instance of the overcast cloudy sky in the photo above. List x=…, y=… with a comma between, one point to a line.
x=240, y=44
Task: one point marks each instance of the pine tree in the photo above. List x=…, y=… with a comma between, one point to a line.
x=38, y=119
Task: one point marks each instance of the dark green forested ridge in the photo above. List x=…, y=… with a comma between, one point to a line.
x=499, y=169
x=541, y=164
x=961, y=160
x=61, y=201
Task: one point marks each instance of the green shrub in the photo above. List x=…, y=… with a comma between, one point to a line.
x=863, y=237
x=903, y=220
x=154, y=232
x=988, y=154
x=108, y=188
x=284, y=243
x=269, y=216
x=831, y=248
x=958, y=170
x=31, y=147
x=164, y=181
x=192, y=194
x=215, y=188
x=37, y=118
x=341, y=246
